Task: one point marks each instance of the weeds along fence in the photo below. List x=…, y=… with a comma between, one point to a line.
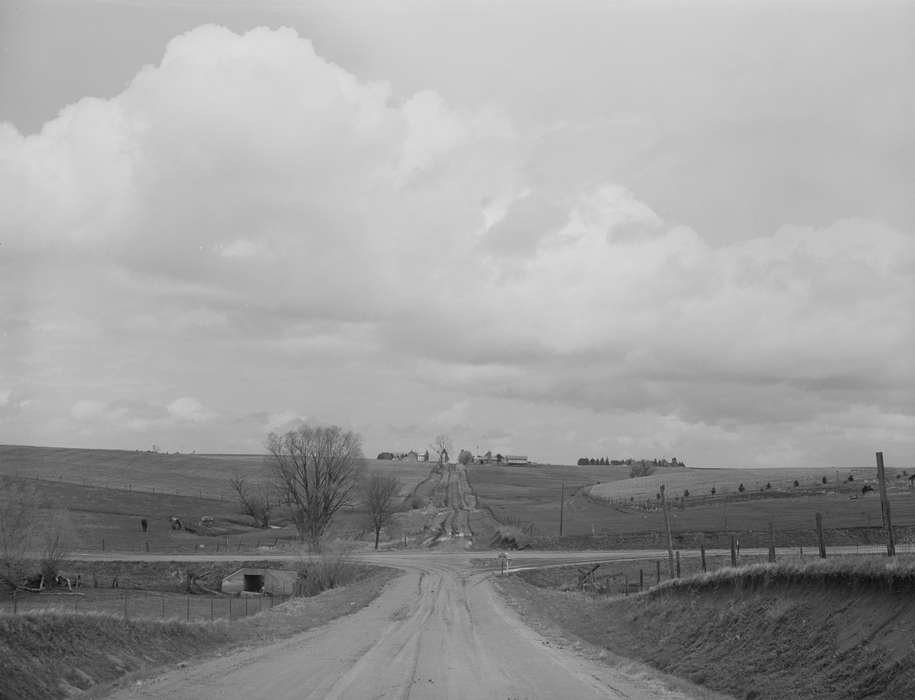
x=146, y=605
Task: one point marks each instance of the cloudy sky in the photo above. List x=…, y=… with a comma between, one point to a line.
x=557, y=229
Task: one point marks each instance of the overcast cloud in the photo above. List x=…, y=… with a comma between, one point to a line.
x=587, y=230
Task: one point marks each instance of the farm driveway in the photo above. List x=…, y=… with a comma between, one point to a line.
x=438, y=631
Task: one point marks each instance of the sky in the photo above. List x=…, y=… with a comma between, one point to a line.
x=564, y=229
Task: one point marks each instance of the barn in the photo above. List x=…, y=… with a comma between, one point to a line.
x=251, y=580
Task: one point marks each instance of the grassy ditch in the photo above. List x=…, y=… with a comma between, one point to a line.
x=53, y=654
x=833, y=629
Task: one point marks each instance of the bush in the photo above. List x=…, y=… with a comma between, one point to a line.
x=641, y=469
x=686, y=493
x=741, y=488
x=714, y=490
x=768, y=485
x=796, y=484
x=851, y=477
x=824, y=480
x=326, y=571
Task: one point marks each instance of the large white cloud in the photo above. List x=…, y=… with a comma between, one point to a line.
x=246, y=204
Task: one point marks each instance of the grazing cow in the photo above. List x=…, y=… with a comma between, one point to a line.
x=174, y=522
x=866, y=488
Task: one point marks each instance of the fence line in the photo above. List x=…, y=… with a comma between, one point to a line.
x=147, y=605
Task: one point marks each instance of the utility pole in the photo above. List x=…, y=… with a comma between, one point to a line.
x=670, y=540
x=562, y=501
x=885, y=507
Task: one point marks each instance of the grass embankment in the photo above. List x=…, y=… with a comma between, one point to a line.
x=53, y=654
x=833, y=629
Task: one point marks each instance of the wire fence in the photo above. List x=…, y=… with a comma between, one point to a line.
x=145, y=604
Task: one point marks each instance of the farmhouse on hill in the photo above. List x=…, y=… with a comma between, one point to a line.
x=252, y=580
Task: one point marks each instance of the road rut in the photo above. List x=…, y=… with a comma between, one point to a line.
x=438, y=631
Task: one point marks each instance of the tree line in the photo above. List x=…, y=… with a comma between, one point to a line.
x=628, y=462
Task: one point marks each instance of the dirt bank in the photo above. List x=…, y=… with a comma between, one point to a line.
x=762, y=636
x=54, y=654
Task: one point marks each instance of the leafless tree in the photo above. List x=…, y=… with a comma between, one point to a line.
x=316, y=472
x=33, y=534
x=256, y=500
x=379, y=492
x=17, y=536
x=441, y=446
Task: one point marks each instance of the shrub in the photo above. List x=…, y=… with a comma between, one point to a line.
x=768, y=485
x=851, y=477
x=796, y=484
x=714, y=490
x=329, y=570
x=823, y=479
x=741, y=488
x=686, y=493
x=640, y=469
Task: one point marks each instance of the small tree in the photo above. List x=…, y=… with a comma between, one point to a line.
x=17, y=537
x=255, y=500
x=640, y=469
x=32, y=533
x=465, y=457
x=316, y=472
x=441, y=446
x=379, y=492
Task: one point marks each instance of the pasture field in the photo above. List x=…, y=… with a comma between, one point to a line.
x=202, y=475
x=106, y=494
x=700, y=482
x=530, y=499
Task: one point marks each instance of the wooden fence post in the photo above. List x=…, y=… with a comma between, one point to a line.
x=820, y=539
x=885, y=507
x=702, y=556
x=771, y=544
x=641, y=580
x=657, y=564
x=733, y=550
x=678, y=563
x=670, y=540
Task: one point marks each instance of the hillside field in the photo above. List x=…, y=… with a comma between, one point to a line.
x=606, y=503
x=106, y=493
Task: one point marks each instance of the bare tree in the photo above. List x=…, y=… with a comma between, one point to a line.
x=379, y=492
x=17, y=536
x=256, y=500
x=441, y=446
x=33, y=534
x=316, y=472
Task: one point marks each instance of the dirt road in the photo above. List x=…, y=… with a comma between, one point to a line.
x=438, y=631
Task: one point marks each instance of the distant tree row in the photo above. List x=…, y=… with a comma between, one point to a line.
x=662, y=462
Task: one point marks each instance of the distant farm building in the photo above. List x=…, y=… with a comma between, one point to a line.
x=517, y=459
x=250, y=580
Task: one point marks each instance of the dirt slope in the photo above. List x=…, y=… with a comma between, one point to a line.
x=437, y=632
x=782, y=641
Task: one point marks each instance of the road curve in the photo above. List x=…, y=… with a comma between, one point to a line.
x=438, y=631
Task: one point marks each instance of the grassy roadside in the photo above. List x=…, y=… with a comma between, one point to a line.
x=54, y=655
x=827, y=630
